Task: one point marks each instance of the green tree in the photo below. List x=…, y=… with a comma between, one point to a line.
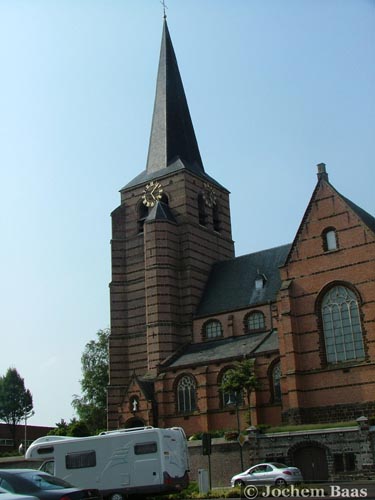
x=241, y=379
x=16, y=402
x=91, y=407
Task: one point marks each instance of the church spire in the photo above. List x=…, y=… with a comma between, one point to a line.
x=172, y=133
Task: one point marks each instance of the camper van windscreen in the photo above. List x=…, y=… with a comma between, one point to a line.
x=80, y=460
x=145, y=448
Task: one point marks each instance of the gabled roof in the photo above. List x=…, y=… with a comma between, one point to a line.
x=160, y=211
x=231, y=284
x=146, y=386
x=367, y=219
x=228, y=349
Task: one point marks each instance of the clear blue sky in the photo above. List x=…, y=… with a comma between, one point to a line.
x=274, y=87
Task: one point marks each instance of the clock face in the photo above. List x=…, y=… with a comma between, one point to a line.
x=209, y=195
x=152, y=193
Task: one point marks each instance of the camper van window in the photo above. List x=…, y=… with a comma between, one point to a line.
x=80, y=460
x=145, y=448
x=45, y=450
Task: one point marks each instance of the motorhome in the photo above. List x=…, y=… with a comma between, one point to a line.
x=117, y=463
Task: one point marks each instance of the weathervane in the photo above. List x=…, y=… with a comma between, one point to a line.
x=164, y=7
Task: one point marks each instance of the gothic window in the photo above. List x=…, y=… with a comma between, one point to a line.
x=341, y=325
x=186, y=394
x=212, y=329
x=230, y=398
x=202, y=210
x=329, y=239
x=142, y=215
x=164, y=199
x=216, y=217
x=255, y=321
x=275, y=382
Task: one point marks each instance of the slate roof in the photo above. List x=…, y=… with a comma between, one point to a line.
x=226, y=349
x=160, y=211
x=231, y=284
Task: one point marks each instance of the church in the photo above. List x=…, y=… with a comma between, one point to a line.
x=184, y=308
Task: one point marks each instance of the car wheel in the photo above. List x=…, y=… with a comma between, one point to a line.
x=280, y=482
x=116, y=496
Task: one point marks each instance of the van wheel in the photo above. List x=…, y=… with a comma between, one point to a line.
x=116, y=496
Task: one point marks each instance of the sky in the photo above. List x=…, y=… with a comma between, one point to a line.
x=274, y=88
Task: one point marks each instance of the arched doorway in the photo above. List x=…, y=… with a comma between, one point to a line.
x=134, y=422
x=311, y=459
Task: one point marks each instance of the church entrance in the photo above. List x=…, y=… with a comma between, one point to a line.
x=312, y=461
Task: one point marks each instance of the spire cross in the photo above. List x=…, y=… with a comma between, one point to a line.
x=164, y=7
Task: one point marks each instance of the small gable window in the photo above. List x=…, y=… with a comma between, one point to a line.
x=212, y=329
x=342, y=325
x=330, y=239
x=255, y=321
x=186, y=394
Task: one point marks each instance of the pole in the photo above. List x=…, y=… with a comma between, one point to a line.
x=239, y=431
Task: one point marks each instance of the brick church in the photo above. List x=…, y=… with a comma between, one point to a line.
x=184, y=308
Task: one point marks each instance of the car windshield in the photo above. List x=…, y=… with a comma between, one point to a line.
x=279, y=465
x=45, y=481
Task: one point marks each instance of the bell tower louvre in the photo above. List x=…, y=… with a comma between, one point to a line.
x=172, y=225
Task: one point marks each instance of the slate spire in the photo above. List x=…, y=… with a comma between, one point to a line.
x=172, y=133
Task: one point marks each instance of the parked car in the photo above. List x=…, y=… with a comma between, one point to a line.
x=42, y=485
x=268, y=473
x=5, y=495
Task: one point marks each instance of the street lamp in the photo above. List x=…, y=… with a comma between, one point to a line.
x=27, y=415
x=230, y=402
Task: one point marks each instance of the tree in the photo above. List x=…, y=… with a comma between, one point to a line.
x=91, y=407
x=241, y=378
x=16, y=402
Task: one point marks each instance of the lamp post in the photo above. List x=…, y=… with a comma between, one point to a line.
x=27, y=415
x=235, y=403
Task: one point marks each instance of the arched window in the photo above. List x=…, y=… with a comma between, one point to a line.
x=202, y=210
x=186, y=394
x=341, y=325
x=212, y=329
x=255, y=321
x=164, y=199
x=142, y=215
x=216, y=217
x=329, y=239
x=230, y=398
x=275, y=381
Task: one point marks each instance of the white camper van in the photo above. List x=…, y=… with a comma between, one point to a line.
x=138, y=460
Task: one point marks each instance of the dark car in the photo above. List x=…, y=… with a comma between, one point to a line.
x=43, y=486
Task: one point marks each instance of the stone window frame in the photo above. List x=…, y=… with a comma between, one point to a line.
x=322, y=337
x=274, y=398
x=246, y=322
x=186, y=399
x=223, y=395
x=209, y=322
x=325, y=239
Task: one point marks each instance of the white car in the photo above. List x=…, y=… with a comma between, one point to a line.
x=6, y=495
x=268, y=473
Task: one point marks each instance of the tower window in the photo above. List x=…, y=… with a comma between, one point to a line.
x=142, y=215
x=215, y=217
x=186, y=394
x=329, y=239
x=202, y=211
x=341, y=325
x=212, y=329
x=275, y=382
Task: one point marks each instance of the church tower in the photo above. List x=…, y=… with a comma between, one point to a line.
x=172, y=225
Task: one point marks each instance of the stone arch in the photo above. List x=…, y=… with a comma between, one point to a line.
x=311, y=457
